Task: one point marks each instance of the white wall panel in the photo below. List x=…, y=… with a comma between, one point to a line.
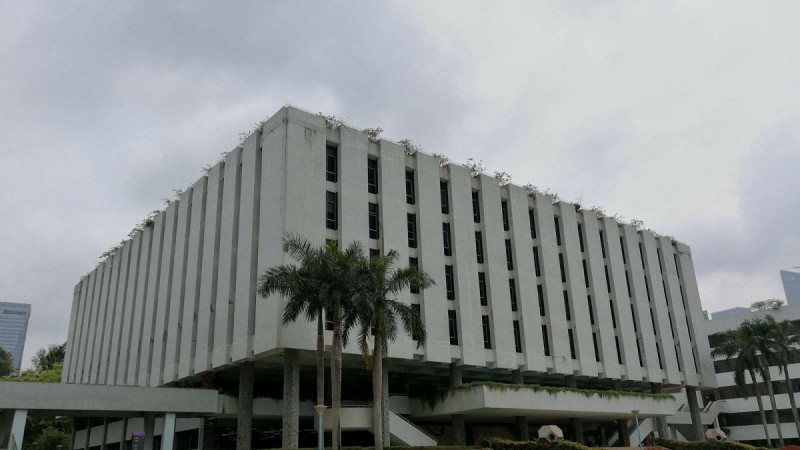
x=91, y=338
x=696, y=320
x=120, y=314
x=71, y=333
x=111, y=313
x=678, y=315
x=163, y=297
x=188, y=340
x=126, y=344
x=206, y=314
x=151, y=300
x=174, y=324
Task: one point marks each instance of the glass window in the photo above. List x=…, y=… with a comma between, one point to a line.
x=476, y=207
x=545, y=341
x=504, y=209
x=414, y=262
x=479, y=246
x=558, y=230
x=453, y=324
x=622, y=247
x=411, y=220
x=372, y=176
x=596, y=350
x=571, y=344
x=561, y=266
x=444, y=197
x=331, y=211
x=411, y=197
x=540, y=293
x=580, y=237
x=374, y=232
x=512, y=290
x=448, y=250
x=449, y=282
x=591, y=309
x=602, y=244
x=517, y=337
x=536, y=267
x=331, y=163
x=482, y=289
x=487, y=333
x=585, y=274
x=532, y=220
x=509, y=257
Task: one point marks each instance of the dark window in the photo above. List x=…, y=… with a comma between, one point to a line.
x=664, y=285
x=331, y=211
x=479, y=246
x=678, y=357
x=558, y=230
x=619, y=350
x=653, y=321
x=566, y=305
x=602, y=243
x=639, y=351
x=448, y=250
x=476, y=207
x=660, y=264
x=374, y=232
x=585, y=274
x=628, y=283
x=445, y=197
x=482, y=288
x=448, y=278
x=596, y=349
x=591, y=309
x=622, y=247
x=512, y=290
x=411, y=197
x=677, y=265
x=571, y=343
x=414, y=262
x=633, y=316
x=417, y=309
x=540, y=293
x=451, y=321
x=509, y=257
x=580, y=237
x=329, y=319
x=561, y=266
x=647, y=288
x=641, y=254
x=608, y=280
x=545, y=341
x=517, y=337
x=331, y=163
x=487, y=333
x=532, y=220
x=373, y=252
x=536, y=266
x=613, y=315
x=411, y=220
x=372, y=176
x=671, y=328
x=658, y=351
x=504, y=209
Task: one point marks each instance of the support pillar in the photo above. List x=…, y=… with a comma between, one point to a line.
x=603, y=437
x=71, y=438
x=577, y=423
x=12, y=428
x=694, y=411
x=291, y=399
x=168, y=435
x=205, y=440
x=88, y=435
x=459, y=425
x=622, y=432
x=244, y=407
x=149, y=430
x=661, y=422
x=104, y=434
x=123, y=439
x=522, y=421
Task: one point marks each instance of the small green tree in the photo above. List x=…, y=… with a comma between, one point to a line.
x=45, y=359
x=49, y=438
x=6, y=362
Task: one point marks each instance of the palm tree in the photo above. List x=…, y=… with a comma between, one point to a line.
x=759, y=331
x=377, y=314
x=785, y=348
x=320, y=283
x=744, y=356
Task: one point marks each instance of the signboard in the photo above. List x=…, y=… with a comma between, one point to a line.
x=137, y=440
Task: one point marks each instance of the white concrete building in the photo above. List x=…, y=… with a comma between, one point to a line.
x=739, y=416
x=791, y=285
x=526, y=289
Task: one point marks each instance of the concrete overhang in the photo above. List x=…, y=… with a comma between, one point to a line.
x=488, y=402
x=109, y=401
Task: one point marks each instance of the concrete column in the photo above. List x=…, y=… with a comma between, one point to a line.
x=205, y=440
x=577, y=424
x=149, y=430
x=71, y=438
x=459, y=426
x=168, y=435
x=104, y=434
x=244, y=413
x=622, y=431
x=694, y=411
x=522, y=421
x=12, y=428
x=88, y=434
x=603, y=437
x=123, y=439
x=661, y=422
x=291, y=399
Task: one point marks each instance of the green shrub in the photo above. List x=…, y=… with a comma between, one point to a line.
x=506, y=444
x=704, y=445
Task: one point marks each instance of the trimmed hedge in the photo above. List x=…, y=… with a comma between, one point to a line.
x=507, y=444
x=555, y=390
x=705, y=445
x=441, y=447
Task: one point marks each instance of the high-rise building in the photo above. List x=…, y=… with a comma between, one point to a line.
x=791, y=285
x=13, y=330
x=527, y=289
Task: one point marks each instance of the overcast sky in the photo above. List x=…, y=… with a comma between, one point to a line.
x=683, y=114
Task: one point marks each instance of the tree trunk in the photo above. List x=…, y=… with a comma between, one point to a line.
x=320, y=358
x=790, y=390
x=377, y=392
x=761, y=407
x=385, y=399
x=336, y=383
x=775, y=419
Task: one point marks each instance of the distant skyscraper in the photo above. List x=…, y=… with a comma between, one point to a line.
x=13, y=329
x=791, y=285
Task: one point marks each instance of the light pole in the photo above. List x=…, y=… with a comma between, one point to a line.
x=320, y=409
x=638, y=435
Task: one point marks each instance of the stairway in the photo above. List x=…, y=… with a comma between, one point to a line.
x=646, y=426
x=401, y=430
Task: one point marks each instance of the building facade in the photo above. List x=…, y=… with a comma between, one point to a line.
x=544, y=292
x=791, y=285
x=13, y=330
x=740, y=416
